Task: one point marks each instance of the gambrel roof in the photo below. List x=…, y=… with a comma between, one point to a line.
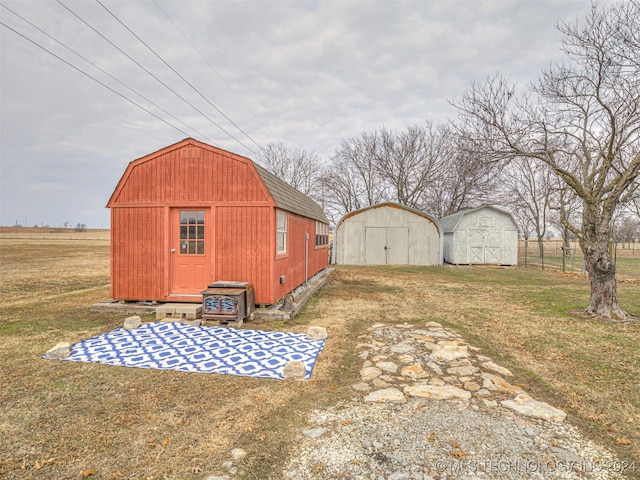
x=290, y=199
x=284, y=196
x=450, y=222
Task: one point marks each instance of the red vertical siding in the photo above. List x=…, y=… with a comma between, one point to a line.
x=137, y=244
x=211, y=177
x=242, y=228
x=292, y=266
x=243, y=247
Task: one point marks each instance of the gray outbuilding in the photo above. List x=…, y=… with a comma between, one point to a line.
x=480, y=236
x=388, y=234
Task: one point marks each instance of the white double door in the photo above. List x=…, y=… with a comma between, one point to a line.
x=387, y=246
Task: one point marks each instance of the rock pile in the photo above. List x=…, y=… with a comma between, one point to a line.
x=401, y=361
x=428, y=406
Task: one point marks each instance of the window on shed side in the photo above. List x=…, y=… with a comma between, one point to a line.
x=322, y=234
x=282, y=231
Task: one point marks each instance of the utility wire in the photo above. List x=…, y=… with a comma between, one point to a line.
x=204, y=58
x=105, y=72
x=182, y=78
x=92, y=78
x=151, y=74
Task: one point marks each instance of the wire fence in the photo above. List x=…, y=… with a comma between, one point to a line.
x=556, y=256
x=45, y=234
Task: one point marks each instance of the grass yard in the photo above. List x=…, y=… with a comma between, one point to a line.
x=72, y=420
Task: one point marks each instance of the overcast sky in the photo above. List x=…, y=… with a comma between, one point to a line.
x=304, y=73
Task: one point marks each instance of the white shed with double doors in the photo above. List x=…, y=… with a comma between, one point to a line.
x=480, y=236
x=388, y=234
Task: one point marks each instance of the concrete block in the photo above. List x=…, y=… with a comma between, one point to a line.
x=188, y=311
x=164, y=311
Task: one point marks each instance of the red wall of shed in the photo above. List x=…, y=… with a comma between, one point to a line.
x=292, y=265
x=191, y=174
x=242, y=221
x=244, y=247
x=138, y=253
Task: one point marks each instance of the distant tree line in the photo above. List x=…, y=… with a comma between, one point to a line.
x=79, y=227
x=562, y=153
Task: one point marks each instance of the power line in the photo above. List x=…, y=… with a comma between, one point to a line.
x=92, y=78
x=105, y=72
x=181, y=77
x=204, y=58
x=152, y=75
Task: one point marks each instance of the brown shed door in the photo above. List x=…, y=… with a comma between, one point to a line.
x=190, y=251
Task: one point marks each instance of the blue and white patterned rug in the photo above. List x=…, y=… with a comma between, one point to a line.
x=175, y=346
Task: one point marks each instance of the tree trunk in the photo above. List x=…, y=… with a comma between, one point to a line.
x=540, y=246
x=602, y=273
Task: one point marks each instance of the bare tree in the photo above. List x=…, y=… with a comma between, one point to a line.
x=528, y=192
x=351, y=180
x=465, y=181
x=301, y=169
x=582, y=119
x=409, y=160
x=626, y=229
x=567, y=210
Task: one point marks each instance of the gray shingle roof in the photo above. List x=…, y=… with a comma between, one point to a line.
x=290, y=199
x=449, y=222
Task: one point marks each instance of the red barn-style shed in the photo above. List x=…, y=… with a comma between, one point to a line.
x=191, y=214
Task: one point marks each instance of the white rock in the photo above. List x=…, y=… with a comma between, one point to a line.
x=386, y=395
x=238, y=454
x=414, y=371
x=61, y=350
x=462, y=371
x=314, y=432
x=448, y=353
x=369, y=373
x=496, y=383
x=527, y=406
x=387, y=366
x=294, y=370
x=495, y=368
x=361, y=387
x=436, y=392
x=380, y=383
x=406, y=359
x=402, y=348
x=317, y=333
x=131, y=323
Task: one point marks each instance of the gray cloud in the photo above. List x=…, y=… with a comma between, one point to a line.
x=306, y=73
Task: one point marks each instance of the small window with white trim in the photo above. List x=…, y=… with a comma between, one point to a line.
x=322, y=234
x=282, y=231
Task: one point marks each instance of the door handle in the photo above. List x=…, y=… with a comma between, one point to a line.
x=172, y=250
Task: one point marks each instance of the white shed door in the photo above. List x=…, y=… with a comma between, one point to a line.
x=387, y=245
x=475, y=241
x=376, y=246
x=493, y=247
x=485, y=247
x=397, y=246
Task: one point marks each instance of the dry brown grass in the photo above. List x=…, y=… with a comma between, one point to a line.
x=69, y=420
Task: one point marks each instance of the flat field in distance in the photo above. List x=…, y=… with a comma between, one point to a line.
x=74, y=420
